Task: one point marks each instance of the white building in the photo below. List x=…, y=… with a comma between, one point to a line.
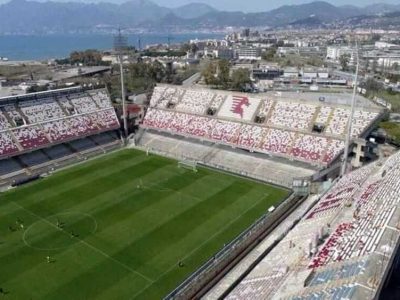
x=389, y=61
x=385, y=45
x=335, y=52
x=248, y=53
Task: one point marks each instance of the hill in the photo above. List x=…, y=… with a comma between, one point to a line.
x=30, y=17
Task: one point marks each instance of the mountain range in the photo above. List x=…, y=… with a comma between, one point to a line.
x=30, y=17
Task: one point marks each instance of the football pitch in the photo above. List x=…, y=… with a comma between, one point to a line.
x=123, y=226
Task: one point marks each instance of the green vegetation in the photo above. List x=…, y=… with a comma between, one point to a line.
x=392, y=97
x=88, y=57
x=117, y=227
x=393, y=130
x=141, y=77
x=240, y=79
x=344, y=60
x=37, y=88
x=23, y=71
x=269, y=55
x=169, y=53
x=217, y=74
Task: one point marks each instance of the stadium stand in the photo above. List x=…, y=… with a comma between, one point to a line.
x=341, y=248
x=275, y=127
x=8, y=166
x=37, y=128
x=223, y=157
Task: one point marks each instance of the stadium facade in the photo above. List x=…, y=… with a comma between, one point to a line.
x=308, y=136
x=40, y=132
x=336, y=245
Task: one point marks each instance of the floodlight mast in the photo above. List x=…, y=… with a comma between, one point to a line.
x=120, y=45
x=350, y=120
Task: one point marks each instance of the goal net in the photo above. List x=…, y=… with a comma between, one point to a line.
x=188, y=164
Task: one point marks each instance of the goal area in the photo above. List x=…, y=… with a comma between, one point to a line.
x=188, y=164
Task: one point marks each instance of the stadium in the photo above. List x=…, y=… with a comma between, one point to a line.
x=217, y=195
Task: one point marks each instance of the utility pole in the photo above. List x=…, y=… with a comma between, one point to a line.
x=350, y=120
x=120, y=46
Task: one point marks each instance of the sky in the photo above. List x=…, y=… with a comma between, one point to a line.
x=265, y=5
x=240, y=5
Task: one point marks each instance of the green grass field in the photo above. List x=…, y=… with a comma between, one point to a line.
x=128, y=239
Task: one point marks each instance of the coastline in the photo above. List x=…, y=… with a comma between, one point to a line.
x=45, y=47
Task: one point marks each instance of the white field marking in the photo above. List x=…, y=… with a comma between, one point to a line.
x=142, y=290
x=60, y=214
x=89, y=245
x=201, y=245
x=214, y=235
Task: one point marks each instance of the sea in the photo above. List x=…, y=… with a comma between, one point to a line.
x=25, y=47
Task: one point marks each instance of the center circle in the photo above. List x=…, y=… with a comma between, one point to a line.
x=59, y=231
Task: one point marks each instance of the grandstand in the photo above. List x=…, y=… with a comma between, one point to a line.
x=337, y=243
x=341, y=249
x=45, y=130
x=306, y=133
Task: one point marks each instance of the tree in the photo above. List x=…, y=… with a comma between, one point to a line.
x=344, y=60
x=185, y=47
x=240, y=79
x=315, y=61
x=209, y=74
x=373, y=85
x=223, y=73
x=193, y=48
x=88, y=57
x=36, y=88
x=269, y=54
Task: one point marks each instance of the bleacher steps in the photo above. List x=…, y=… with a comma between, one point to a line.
x=260, y=105
x=22, y=114
x=326, y=149
x=222, y=103
x=314, y=118
x=62, y=107
x=95, y=103
x=19, y=146
x=9, y=119
x=70, y=102
x=45, y=154
x=330, y=117
x=263, y=136
x=73, y=150
x=181, y=97
x=24, y=166
x=296, y=136
x=45, y=133
x=271, y=111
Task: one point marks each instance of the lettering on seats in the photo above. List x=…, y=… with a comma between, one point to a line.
x=238, y=103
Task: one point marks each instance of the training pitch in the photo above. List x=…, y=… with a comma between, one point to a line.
x=123, y=226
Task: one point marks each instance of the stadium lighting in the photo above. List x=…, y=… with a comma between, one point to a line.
x=350, y=120
x=120, y=46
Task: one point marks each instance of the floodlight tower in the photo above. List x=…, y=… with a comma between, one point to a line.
x=120, y=47
x=350, y=120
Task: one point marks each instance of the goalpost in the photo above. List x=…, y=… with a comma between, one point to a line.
x=188, y=164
